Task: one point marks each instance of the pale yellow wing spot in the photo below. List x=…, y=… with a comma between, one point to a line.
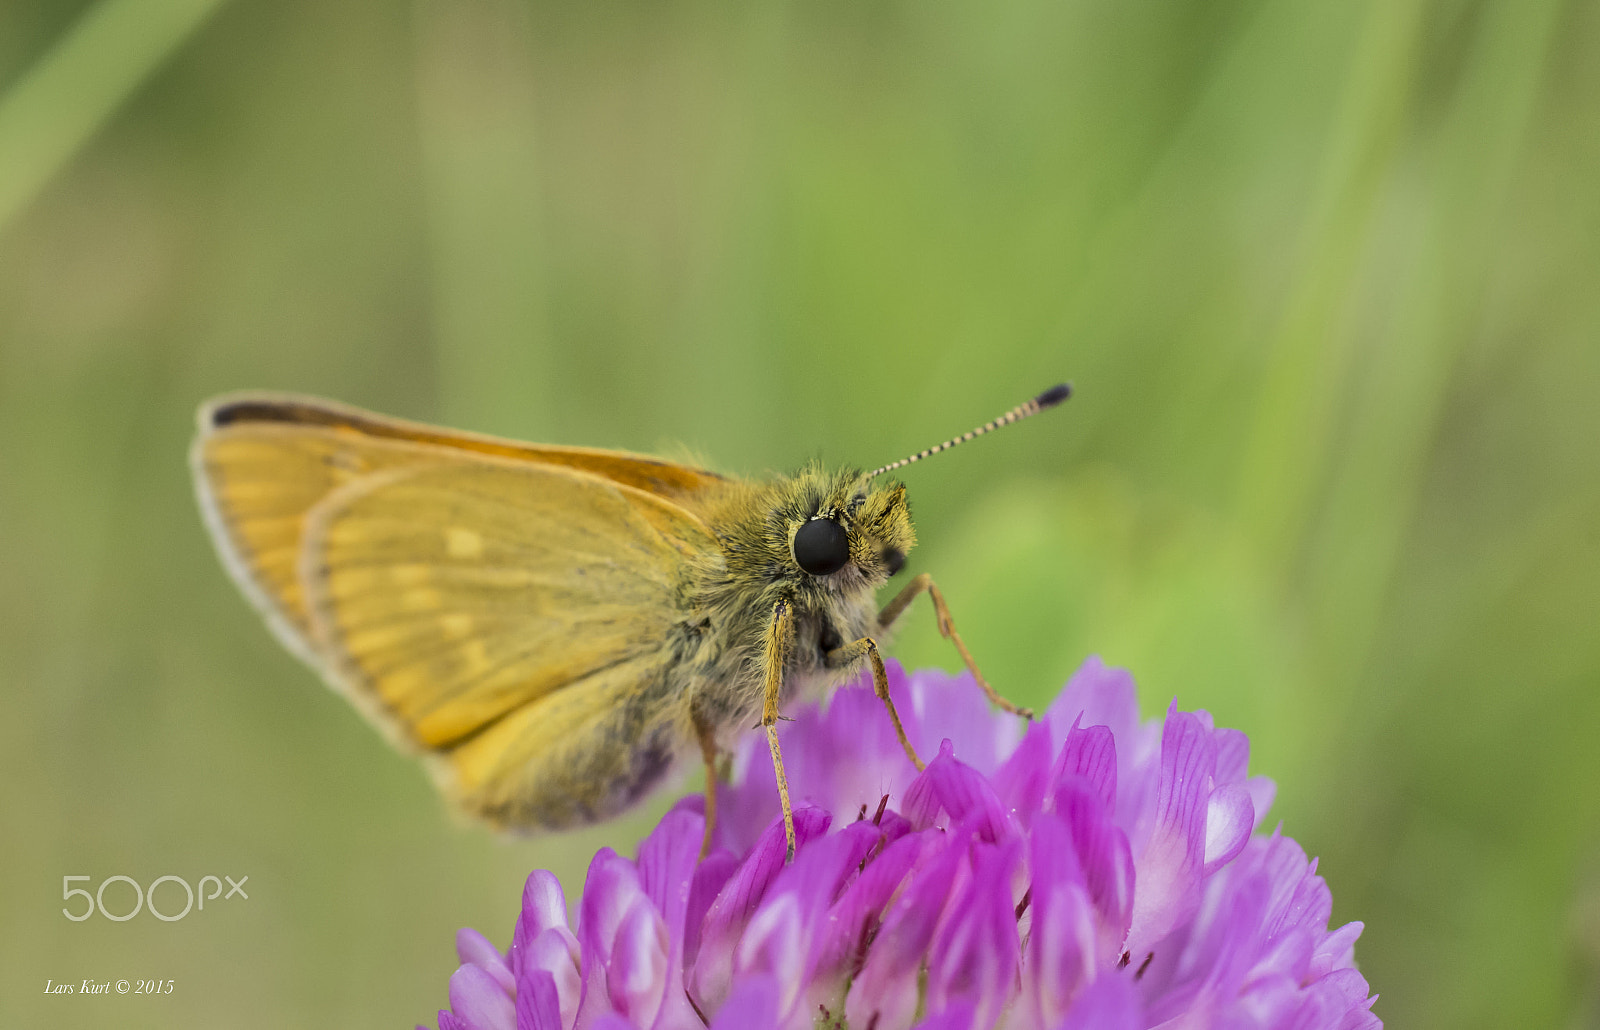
x=462, y=543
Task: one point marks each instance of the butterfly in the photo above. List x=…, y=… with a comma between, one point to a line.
x=552, y=629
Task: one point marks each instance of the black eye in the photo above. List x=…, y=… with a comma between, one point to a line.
x=894, y=559
x=821, y=546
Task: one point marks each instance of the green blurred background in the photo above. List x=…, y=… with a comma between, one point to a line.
x=1326, y=276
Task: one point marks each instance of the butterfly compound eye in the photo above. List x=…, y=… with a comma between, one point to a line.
x=821, y=546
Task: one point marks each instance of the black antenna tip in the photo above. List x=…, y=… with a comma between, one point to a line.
x=1053, y=396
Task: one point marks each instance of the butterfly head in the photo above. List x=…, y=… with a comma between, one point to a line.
x=849, y=530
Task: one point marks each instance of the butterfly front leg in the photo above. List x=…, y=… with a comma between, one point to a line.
x=779, y=642
x=846, y=655
x=947, y=629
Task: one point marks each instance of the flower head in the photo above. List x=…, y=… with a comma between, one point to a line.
x=1093, y=871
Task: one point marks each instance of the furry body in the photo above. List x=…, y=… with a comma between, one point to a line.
x=713, y=659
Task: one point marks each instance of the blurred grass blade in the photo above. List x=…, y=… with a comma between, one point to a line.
x=1445, y=273
x=1308, y=366
x=477, y=123
x=72, y=91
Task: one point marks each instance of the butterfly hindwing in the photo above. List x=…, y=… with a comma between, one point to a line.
x=456, y=592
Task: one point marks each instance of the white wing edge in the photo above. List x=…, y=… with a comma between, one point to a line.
x=217, y=529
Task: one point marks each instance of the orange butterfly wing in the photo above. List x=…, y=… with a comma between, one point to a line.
x=502, y=606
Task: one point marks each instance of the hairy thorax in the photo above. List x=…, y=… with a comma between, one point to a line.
x=729, y=597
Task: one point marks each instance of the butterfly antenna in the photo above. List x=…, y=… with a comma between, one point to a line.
x=1049, y=399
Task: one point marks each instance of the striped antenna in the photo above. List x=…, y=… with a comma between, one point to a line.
x=1049, y=399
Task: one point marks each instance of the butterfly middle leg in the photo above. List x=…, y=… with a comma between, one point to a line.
x=947, y=629
x=846, y=655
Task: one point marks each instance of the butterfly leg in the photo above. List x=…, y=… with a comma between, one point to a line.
x=947, y=629
x=708, y=751
x=849, y=654
x=780, y=637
